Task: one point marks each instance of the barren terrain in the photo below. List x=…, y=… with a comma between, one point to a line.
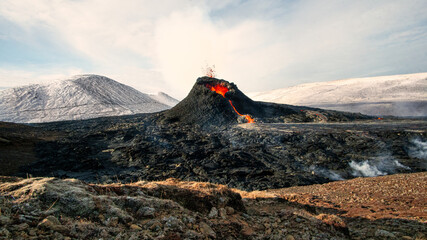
x=200, y=171
x=388, y=207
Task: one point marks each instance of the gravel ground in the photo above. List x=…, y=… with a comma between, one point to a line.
x=50, y=208
x=386, y=207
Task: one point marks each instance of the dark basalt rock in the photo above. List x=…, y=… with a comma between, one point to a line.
x=261, y=156
x=202, y=107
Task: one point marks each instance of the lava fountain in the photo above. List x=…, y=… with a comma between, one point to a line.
x=220, y=89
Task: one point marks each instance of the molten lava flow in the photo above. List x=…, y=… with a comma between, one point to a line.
x=248, y=118
x=220, y=89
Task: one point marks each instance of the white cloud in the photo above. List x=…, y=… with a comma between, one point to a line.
x=96, y=28
x=316, y=41
x=143, y=80
x=244, y=53
x=17, y=77
x=146, y=81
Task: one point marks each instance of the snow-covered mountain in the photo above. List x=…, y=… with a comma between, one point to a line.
x=81, y=97
x=398, y=95
x=164, y=98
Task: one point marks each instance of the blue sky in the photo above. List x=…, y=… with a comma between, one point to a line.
x=164, y=45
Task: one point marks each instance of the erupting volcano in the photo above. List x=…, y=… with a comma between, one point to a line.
x=222, y=90
x=204, y=107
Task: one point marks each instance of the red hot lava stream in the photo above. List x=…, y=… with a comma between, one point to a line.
x=222, y=90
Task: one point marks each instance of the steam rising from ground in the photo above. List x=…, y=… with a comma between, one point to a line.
x=378, y=166
x=365, y=169
x=418, y=149
x=325, y=173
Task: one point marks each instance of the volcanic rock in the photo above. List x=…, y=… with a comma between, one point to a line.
x=82, y=211
x=50, y=222
x=38, y=209
x=4, y=220
x=205, y=229
x=213, y=213
x=203, y=106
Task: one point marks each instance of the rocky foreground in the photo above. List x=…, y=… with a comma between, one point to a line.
x=388, y=207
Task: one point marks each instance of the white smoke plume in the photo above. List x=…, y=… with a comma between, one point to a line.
x=379, y=166
x=365, y=169
x=418, y=149
x=325, y=173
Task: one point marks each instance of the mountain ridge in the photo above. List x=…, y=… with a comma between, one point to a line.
x=398, y=95
x=164, y=98
x=80, y=97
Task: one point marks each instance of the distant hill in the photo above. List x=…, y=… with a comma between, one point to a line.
x=397, y=95
x=81, y=97
x=164, y=98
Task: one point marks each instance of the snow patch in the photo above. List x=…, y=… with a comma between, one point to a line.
x=80, y=97
x=165, y=99
x=399, y=95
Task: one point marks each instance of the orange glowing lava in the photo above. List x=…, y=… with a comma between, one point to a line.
x=220, y=89
x=248, y=118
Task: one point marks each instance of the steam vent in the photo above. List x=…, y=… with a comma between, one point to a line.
x=216, y=102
